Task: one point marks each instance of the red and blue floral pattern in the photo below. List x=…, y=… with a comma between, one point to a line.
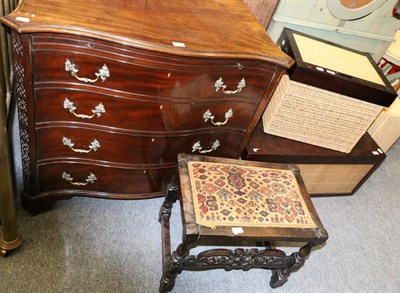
x=232, y=195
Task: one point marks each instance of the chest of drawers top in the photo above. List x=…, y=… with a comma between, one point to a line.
x=198, y=28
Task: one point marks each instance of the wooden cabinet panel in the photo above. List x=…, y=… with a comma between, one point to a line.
x=56, y=104
x=102, y=180
x=131, y=148
x=262, y=9
x=179, y=77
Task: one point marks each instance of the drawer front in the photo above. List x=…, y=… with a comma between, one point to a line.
x=102, y=178
x=75, y=142
x=125, y=69
x=138, y=113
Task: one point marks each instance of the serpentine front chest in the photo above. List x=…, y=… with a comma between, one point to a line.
x=110, y=93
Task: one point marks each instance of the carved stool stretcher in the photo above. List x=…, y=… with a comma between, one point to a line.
x=233, y=201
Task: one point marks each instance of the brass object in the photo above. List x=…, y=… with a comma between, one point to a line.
x=197, y=147
x=103, y=72
x=97, y=111
x=208, y=115
x=219, y=85
x=94, y=145
x=6, y=247
x=10, y=238
x=90, y=179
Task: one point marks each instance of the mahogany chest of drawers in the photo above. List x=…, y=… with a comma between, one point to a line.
x=110, y=92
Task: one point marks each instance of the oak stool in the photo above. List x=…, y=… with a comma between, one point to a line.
x=235, y=200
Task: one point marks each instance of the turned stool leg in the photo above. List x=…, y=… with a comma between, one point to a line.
x=176, y=264
x=171, y=195
x=300, y=257
x=280, y=276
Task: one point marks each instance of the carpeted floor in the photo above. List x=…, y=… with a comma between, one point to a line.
x=92, y=245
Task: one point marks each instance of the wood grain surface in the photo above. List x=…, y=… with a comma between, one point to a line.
x=204, y=26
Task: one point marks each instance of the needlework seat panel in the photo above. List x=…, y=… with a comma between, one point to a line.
x=246, y=196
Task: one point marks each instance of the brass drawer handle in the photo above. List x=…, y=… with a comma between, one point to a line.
x=198, y=147
x=90, y=179
x=219, y=84
x=94, y=145
x=208, y=115
x=103, y=72
x=97, y=111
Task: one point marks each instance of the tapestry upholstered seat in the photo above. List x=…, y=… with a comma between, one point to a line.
x=231, y=200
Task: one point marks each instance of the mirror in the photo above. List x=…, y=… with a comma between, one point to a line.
x=354, y=4
x=353, y=9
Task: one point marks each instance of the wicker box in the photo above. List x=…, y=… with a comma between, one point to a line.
x=325, y=172
x=325, y=101
x=386, y=128
x=312, y=115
